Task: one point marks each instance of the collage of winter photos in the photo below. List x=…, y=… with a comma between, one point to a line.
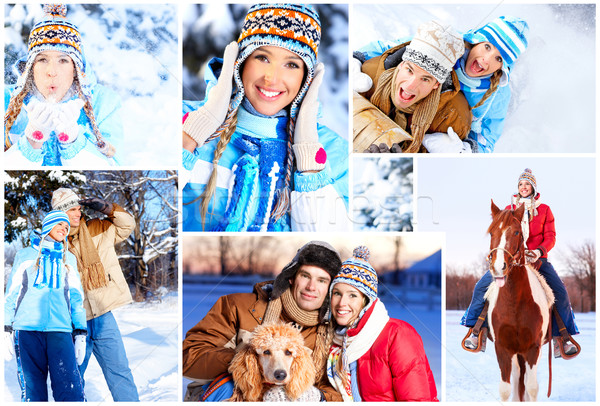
x=366, y=202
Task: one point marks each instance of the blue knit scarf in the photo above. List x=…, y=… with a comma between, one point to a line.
x=51, y=264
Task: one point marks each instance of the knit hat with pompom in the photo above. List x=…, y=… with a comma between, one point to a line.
x=357, y=272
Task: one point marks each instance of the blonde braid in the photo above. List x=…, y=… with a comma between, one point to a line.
x=13, y=110
x=494, y=82
x=283, y=204
x=103, y=146
x=211, y=185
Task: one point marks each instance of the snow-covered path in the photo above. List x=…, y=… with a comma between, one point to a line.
x=150, y=335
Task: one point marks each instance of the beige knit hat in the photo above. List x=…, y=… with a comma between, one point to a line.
x=435, y=48
x=64, y=199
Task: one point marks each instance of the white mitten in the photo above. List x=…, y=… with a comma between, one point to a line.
x=445, y=143
x=310, y=155
x=532, y=256
x=202, y=123
x=40, y=116
x=80, y=348
x=9, y=344
x=361, y=82
x=277, y=394
x=65, y=122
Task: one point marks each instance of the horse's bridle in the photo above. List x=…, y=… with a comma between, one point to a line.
x=512, y=256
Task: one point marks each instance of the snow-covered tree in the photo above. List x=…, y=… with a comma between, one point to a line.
x=383, y=194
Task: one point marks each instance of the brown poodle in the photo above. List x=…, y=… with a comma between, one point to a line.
x=275, y=355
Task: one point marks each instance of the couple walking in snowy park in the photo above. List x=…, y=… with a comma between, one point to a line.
x=59, y=298
x=358, y=351
x=446, y=92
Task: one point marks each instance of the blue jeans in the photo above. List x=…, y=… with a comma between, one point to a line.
x=104, y=340
x=562, y=302
x=39, y=353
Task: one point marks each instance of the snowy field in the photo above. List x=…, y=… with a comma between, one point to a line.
x=199, y=298
x=559, y=34
x=475, y=377
x=151, y=340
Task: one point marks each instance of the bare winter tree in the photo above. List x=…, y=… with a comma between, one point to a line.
x=581, y=265
x=151, y=198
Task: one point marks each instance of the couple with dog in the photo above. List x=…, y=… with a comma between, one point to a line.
x=359, y=353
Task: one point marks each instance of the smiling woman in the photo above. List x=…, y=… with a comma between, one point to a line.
x=255, y=157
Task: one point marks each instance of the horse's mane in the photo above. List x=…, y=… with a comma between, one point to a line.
x=502, y=217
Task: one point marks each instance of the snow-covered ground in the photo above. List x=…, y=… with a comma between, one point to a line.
x=475, y=377
x=199, y=298
x=150, y=335
x=561, y=54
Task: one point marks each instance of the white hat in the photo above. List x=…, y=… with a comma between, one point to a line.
x=64, y=199
x=435, y=48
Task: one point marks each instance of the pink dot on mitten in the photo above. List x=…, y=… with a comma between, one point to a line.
x=321, y=156
x=37, y=135
x=62, y=137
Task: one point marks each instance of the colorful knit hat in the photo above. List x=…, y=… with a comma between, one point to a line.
x=507, y=34
x=528, y=176
x=294, y=27
x=55, y=33
x=358, y=273
x=435, y=48
x=64, y=199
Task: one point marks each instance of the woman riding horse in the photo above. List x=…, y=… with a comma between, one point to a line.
x=540, y=236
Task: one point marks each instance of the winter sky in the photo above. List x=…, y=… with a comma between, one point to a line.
x=454, y=195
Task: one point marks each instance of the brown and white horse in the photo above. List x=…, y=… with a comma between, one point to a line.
x=519, y=310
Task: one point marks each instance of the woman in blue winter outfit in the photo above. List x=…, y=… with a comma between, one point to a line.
x=256, y=158
x=484, y=74
x=44, y=316
x=56, y=114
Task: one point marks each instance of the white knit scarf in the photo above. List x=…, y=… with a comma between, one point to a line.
x=347, y=349
x=531, y=205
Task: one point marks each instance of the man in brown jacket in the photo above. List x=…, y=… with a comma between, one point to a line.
x=105, y=288
x=414, y=85
x=298, y=295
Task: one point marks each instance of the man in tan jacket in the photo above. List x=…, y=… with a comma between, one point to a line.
x=298, y=295
x=414, y=87
x=105, y=288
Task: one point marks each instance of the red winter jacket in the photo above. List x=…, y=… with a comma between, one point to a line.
x=542, y=233
x=395, y=368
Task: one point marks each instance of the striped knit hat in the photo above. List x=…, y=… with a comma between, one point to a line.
x=294, y=27
x=64, y=199
x=358, y=273
x=507, y=34
x=53, y=218
x=528, y=176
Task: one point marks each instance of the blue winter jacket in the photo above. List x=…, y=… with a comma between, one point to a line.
x=107, y=109
x=251, y=132
x=43, y=308
x=488, y=119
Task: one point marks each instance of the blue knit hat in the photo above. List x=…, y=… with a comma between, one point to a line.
x=294, y=27
x=357, y=272
x=53, y=218
x=507, y=34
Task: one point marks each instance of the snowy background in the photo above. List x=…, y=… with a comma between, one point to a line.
x=560, y=59
x=208, y=28
x=476, y=377
x=133, y=50
x=383, y=194
x=150, y=335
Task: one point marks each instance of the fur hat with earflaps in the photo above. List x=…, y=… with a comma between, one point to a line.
x=316, y=253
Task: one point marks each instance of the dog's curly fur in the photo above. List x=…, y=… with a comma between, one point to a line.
x=266, y=343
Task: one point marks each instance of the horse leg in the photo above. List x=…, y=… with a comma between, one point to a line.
x=531, y=383
x=504, y=362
